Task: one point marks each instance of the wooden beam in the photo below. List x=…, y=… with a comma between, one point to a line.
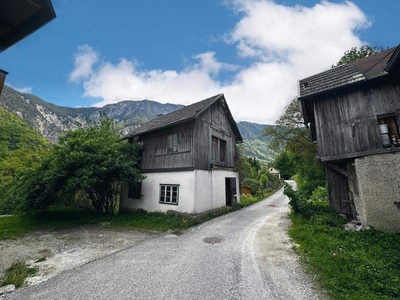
x=359, y=154
x=337, y=169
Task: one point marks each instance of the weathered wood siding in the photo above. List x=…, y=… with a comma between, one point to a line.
x=212, y=122
x=346, y=122
x=338, y=192
x=155, y=149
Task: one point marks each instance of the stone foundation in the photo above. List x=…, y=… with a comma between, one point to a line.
x=378, y=179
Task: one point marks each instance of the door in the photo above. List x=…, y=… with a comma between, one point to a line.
x=230, y=190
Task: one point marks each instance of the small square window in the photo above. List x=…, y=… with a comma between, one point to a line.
x=169, y=193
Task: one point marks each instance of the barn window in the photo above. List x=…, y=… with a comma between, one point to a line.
x=169, y=194
x=218, y=150
x=135, y=190
x=222, y=150
x=388, y=129
x=214, y=149
x=172, y=143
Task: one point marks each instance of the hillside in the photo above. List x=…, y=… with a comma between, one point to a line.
x=15, y=134
x=51, y=120
x=255, y=144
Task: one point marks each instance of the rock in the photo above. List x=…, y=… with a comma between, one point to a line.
x=7, y=289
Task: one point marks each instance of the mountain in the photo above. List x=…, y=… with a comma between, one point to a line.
x=51, y=120
x=256, y=145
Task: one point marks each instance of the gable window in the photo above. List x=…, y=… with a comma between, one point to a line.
x=135, y=190
x=169, y=194
x=222, y=150
x=218, y=150
x=214, y=149
x=172, y=143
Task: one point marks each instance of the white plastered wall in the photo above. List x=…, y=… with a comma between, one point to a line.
x=210, y=189
x=151, y=190
x=199, y=191
x=378, y=179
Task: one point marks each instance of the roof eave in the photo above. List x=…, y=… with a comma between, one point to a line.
x=129, y=136
x=395, y=57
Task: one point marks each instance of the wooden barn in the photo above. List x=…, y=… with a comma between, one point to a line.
x=353, y=111
x=188, y=160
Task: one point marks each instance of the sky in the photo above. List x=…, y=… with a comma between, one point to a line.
x=98, y=52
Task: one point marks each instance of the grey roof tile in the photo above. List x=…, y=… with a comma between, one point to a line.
x=361, y=70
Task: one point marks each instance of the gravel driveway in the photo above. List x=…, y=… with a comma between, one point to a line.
x=248, y=255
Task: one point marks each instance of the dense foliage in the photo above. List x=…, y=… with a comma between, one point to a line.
x=21, y=149
x=349, y=264
x=88, y=165
x=297, y=157
x=89, y=160
x=254, y=175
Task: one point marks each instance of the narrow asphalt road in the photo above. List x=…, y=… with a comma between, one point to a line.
x=253, y=260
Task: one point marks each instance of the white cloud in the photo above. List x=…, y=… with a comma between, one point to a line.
x=286, y=43
x=85, y=58
x=25, y=89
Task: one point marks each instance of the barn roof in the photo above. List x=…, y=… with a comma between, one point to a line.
x=185, y=114
x=364, y=69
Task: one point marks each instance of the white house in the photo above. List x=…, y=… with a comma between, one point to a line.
x=188, y=160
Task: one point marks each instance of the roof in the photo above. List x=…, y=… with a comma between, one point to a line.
x=19, y=18
x=184, y=114
x=373, y=66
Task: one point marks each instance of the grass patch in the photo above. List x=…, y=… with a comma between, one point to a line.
x=64, y=217
x=349, y=264
x=17, y=273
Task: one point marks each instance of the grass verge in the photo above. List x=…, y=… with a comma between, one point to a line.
x=62, y=217
x=349, y=264
x=17, y=273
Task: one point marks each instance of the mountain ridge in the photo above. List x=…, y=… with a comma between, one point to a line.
x=51, y=120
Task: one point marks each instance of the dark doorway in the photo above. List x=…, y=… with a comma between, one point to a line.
x=230, y=190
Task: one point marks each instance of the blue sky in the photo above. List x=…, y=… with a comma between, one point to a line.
x=179, y=51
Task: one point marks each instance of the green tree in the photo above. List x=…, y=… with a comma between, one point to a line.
x=290, y=135
x=284, y=162
x=92, y=160
x=357, y=53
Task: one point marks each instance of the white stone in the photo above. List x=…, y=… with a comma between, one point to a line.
x=7, y=289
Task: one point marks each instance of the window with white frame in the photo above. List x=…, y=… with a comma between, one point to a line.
x=169, y=194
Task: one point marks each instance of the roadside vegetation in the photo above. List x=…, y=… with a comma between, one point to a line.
x=17, y=273
x=348, y=264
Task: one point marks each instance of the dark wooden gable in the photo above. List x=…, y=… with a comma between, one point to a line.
x=344, y=105
x=182, y=140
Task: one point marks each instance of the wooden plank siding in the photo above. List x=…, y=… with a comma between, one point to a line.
x=155, y=148
x=212, y=122
x=338, y=192
x=346, y=122
x=194, y=143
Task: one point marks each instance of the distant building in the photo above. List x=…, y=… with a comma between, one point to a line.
x=188, y=160
x=275, y=172
x=353, y=111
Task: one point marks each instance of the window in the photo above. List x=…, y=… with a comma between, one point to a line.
x=388, y=129
x=169, y=193
x=172, y=143
x=222, y=150
x=214, y=149
x=135, y=190
x=218, y=150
